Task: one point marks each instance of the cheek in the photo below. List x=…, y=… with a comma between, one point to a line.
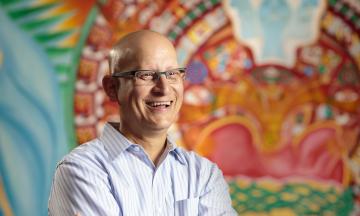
x=139, y=93
x=123, y=97
x=125, y=93
x=136, y=97
x=180, y=92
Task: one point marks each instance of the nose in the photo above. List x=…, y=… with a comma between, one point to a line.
x=161, y=85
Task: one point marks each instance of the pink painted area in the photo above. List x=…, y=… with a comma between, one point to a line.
x=318, y=155
x=235, y=152
x=314, y=157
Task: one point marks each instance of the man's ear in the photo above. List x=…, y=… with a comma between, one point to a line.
x=111, y=86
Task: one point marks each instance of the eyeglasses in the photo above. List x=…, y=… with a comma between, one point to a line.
x=147, y=77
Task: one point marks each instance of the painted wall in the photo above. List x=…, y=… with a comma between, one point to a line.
x=272, y=94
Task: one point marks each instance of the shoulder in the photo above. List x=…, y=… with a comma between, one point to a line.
x=201, y=171
x=193, y=159
x=81, y=181
x=199, y=165
x=87, y=156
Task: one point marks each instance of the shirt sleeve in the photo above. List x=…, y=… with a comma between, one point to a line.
x=215, y=200
x=81, y=189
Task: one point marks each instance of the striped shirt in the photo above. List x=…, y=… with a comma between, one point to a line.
x=113, y=176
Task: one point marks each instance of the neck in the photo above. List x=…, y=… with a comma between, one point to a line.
x=153, y=142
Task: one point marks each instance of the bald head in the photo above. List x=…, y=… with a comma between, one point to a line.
x=141, y=50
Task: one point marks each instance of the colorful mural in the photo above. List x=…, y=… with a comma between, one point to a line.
x=272, y=94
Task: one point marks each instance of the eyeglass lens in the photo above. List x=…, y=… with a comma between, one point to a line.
x=150, y=76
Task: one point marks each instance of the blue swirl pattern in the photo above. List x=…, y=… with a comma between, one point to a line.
x=32, y=130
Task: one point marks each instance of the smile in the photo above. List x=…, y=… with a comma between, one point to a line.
x=159, y=104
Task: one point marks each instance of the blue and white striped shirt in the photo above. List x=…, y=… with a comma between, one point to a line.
x=112, y=176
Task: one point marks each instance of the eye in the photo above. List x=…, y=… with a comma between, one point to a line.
x=173, y=73
x=146, y=75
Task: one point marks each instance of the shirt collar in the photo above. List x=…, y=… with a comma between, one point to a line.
x=115, y=143
x=176, y=151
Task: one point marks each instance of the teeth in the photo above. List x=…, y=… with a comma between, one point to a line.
x=156, y=104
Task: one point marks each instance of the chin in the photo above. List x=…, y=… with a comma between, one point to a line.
x=161, y=125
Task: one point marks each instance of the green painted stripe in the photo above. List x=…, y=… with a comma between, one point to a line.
x=214, y=2
x=57, y=51
x=191, y=15
x=69, y=88
x=332, y=2
x=53, y=36
x=9, y=2
x=22, y=12
x=182, y=23
x=354, y=19
x=172, y=35
x=202, y=7
x=41, y=23
x=62, y=69
x=344, y=9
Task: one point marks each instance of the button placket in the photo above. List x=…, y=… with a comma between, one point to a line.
x=164, y=188
x=153, y=191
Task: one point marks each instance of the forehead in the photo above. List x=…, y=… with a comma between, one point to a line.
x=155, y=55
x=146, y=51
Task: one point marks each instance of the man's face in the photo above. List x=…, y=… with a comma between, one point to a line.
x=155, y=106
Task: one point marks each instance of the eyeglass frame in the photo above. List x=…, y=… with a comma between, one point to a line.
x=132, y=73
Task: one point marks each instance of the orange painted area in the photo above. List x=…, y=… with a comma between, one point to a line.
x=78, y=12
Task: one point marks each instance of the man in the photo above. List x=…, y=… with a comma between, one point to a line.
x=133, y=168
